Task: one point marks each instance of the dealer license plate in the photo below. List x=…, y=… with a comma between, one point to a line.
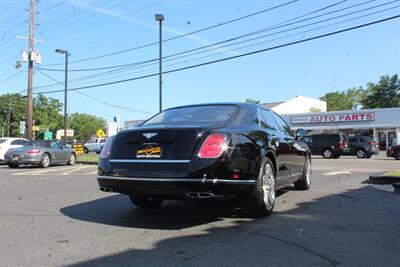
x=149, y=151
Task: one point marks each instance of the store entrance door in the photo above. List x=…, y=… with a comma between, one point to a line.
x=386, y=138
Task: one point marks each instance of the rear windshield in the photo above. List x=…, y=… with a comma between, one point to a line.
x=194, y=115
x=2, y=140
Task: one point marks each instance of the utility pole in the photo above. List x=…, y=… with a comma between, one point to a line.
x=9, y=118
x=29, y=104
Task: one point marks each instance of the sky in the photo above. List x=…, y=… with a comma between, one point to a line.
x=94, y=28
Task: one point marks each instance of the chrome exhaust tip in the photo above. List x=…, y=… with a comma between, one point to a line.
x=106, y=189
x=200, y=195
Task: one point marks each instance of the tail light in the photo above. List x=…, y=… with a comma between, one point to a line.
x=105, y=151
x=33, y=151
x=341, y=145
x=372, y=142
x=213, y=147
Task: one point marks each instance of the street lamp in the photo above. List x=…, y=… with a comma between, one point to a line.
x=160, y=18
x=61, y=51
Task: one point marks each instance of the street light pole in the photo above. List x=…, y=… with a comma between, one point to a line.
x=160, y=18
x=61, y=51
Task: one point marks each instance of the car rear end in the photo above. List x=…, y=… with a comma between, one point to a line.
x=370, y=145
x=339, y=144
x=182, y=157
x=23, y=155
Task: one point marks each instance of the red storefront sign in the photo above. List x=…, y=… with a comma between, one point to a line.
x=346, y=117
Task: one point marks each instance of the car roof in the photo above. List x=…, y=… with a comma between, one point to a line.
x=239, y=104
x=13, y=138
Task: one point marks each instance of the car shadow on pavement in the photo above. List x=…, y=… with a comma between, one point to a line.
x=117, y=210
x=356, y=227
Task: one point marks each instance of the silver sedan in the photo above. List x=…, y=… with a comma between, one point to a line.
x=40, y=152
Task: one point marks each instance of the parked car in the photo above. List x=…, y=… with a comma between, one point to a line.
x=327, y=145
x=394, y=152
x=206, y=151
x=362, y=147
x=7, y=143
x=94, y=145
x=40, y=152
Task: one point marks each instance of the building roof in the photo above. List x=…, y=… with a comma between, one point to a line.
x=272, y=104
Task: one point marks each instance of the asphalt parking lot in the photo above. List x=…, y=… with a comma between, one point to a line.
x=58, y=217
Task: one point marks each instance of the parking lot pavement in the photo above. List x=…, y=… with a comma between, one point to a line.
x=57, y=217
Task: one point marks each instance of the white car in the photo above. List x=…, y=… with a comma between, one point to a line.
x=7, y=143
x=94, y=145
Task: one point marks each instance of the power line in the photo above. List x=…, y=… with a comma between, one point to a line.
x=10, y=77
x=232, y=57
x=96, y=99
x=182, y=35
x=106, y=21
x=273, y=27
x=173, y=57
x=53, y=6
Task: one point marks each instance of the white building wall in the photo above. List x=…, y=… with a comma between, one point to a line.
x=300, y=104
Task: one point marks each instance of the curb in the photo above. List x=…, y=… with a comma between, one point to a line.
x=87, y=162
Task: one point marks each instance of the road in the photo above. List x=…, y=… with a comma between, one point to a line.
x=57, y=217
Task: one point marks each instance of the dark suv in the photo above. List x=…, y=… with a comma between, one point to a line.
x=327, y=145
x=394, y=151
x=362, y=147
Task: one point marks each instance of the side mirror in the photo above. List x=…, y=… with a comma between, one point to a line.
x=300, y=133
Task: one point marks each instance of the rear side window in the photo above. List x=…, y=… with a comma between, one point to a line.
x=353, y=140
x=266, y=120
x=2, y=140
x=212, y=114
x=335, y=138
x=103, y=140
x=320, y=138
x=282, y=124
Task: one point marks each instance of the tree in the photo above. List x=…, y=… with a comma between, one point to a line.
x=85, y=125
x=315, y=109
x=384, y=94
x=16, y=105
x=254, y=101
x=346, y=100
x=46, y=113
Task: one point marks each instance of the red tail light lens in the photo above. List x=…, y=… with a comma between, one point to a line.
x=213, y=147
x=341, y=145
x=372, y=142
x=33, y=151
x=105, y=151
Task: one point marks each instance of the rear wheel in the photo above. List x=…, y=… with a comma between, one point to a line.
x=368, y=156
x=361, y=153
x=327, y=153
x=13, y=165
x=261, y=201
x=72, y=159
x=304, y=183
x=45, y=161
x=397, y=155
x=86, y=150
x=146, y=202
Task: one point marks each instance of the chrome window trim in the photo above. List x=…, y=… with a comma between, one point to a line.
x=214, y=181
x=148, y=161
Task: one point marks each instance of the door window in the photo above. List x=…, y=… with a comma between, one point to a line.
x=18, y=142
x=353, y=140
x=266, y=120
x=103, y=140
x=308, y=139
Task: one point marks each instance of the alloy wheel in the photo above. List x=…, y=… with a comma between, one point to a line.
x=268, y=186
x=360, y=153
x=327, y=154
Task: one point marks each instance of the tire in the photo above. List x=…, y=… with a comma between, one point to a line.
x=368, y=156
x=72, y=159
x=336, y=156
x=45, y=161
x=360, y=153
x=86, y=150
x=13, y=165
x=145, y=202
x=304, y=182
x=397, y=155
x=327, y=153
x=261, y=201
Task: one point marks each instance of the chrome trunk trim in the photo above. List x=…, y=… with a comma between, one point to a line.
x=148, y=161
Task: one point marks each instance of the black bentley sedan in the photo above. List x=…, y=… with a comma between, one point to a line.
x=227, y=150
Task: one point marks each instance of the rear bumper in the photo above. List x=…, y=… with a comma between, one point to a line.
x=22, y=159
x=175, y=187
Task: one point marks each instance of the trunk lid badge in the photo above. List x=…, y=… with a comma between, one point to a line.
x=149, y=135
